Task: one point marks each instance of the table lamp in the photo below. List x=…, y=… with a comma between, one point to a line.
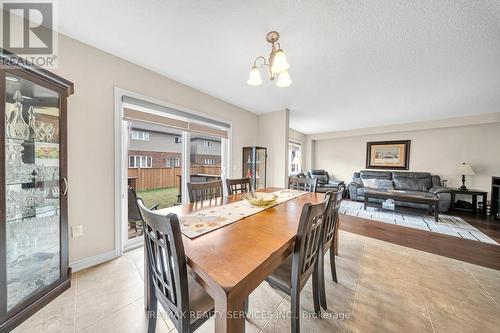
x=465, y=170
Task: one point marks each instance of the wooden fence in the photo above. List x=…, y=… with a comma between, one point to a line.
x=153, y=178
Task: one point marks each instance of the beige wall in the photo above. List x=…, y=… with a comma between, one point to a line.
x=273, y=134
x=91, y=157
x=438, y=151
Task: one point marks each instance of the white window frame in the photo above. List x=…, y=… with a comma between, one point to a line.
x=178, y=139
x=140, y=135
x=291, y=165
x=176, y=162
x=208, y=143
x=140, y=162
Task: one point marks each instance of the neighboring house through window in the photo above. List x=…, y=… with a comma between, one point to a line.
x=140, y=161
x=294, y=157
x=209, y=161
x=177, y=139
x=140, y=135
x=207, y=143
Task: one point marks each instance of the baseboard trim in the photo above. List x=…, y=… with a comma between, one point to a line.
x=92, y=261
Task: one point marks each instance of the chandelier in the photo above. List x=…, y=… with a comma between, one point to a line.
x=276, y=65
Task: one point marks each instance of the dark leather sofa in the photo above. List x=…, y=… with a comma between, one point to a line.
x=325, y=183
x=417, y=183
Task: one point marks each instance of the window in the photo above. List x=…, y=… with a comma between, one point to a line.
x=294, y=157
x=208, y=161
x=140, y=135
x=140, y=161
x=207, y=143
x=173, y=162
x=177, y=139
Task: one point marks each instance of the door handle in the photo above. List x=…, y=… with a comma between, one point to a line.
x=65, y=181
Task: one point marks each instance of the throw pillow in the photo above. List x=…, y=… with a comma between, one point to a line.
x=371, y=183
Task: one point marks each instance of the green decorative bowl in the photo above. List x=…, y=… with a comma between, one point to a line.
x=260, y=199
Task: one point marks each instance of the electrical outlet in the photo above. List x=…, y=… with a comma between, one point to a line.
x=77, y=231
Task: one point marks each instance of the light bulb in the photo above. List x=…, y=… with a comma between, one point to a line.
x=284, y=80
x=279, y=62
x=254, y=78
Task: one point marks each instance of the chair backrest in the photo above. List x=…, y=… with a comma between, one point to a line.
x=133, y=209
x=240, y=185
x=205, y=191
x=166, y=263
x=332, y=216
x=303, y=184
x=307, y=241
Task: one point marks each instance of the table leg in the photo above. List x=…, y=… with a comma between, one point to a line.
x=436, y=212
x=366, y=202
x=229, y=315
x=452, y=208
x=485, y=198
x=474, y=204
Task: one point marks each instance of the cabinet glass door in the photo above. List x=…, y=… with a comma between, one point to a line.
x=32, y=169
x=260, y=168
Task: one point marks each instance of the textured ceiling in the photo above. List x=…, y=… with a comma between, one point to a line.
x=354, y=64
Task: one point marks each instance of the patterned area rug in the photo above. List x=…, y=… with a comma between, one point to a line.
x=448, y=225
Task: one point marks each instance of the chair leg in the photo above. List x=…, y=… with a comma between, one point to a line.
x=295, y=315
x=321, y=281
x=315, y=287
x=332, y=264
x=152, y=313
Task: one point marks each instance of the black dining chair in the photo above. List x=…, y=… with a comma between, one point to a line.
x=171, y=281
x=205, y=191
x=292, y=275
x=329, y=242
x=240, y=185
x=302, y=184
x=134, y=216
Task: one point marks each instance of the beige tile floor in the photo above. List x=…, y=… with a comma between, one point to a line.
x=382, y=288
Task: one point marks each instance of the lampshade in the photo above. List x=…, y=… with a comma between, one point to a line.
x=279, y=62
x=254, y=78
x=465, y=169
x=283, y=80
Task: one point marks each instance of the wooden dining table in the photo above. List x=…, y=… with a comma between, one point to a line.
x=230, y=262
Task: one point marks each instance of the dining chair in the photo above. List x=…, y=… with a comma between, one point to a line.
x=134, y=216
x=171, y=281
x=292, y=275
x=329, y=242
x=302, y=184
x=239, y=185
x=204, y=191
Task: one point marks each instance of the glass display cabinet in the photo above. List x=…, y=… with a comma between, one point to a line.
x=33, y=188
x=255, y=166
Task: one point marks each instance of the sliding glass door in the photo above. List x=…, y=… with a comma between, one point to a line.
x=161, y=152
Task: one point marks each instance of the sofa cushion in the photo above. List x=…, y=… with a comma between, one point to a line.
x=369, y=174
x=412, y=181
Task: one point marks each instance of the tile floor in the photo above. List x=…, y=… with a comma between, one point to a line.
x=382, y=288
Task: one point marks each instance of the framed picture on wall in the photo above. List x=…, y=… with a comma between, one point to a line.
x=394, y=155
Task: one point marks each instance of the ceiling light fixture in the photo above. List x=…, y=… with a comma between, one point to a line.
x=276, y=64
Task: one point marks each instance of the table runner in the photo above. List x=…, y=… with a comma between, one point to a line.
x=209, y=219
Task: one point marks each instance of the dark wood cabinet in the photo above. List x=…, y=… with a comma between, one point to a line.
x=495, y=197
x=33, y=189
x=255, y=166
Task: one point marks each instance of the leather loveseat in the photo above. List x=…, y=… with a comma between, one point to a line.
x=325, y=183
x=416, y=183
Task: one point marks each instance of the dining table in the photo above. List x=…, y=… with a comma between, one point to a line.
x=230, y=262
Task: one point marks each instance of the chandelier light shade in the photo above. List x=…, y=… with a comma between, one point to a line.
x=283, y=80
x=276, y=64
x=279, y=62
x=254, y=78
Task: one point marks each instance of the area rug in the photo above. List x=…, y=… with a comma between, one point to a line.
x=448, y=225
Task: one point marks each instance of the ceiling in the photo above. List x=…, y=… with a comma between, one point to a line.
x=353, y=64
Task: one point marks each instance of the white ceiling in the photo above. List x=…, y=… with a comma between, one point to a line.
x=354, y=64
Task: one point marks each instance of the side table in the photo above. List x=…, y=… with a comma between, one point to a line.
x=474, y=194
